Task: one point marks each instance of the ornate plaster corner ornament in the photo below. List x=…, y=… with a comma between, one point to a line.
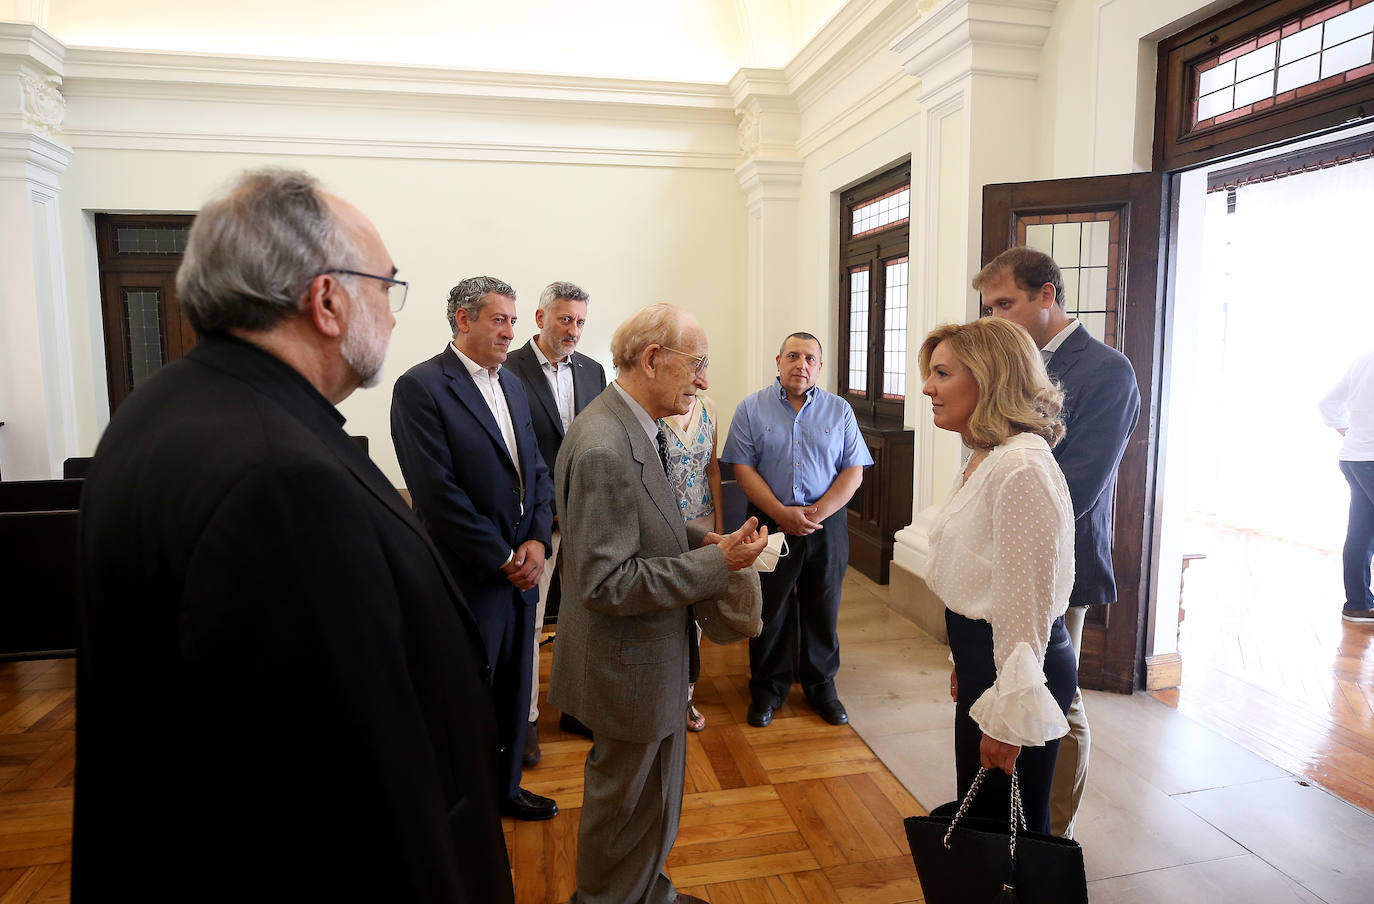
x=749, y=138
x=43, y=104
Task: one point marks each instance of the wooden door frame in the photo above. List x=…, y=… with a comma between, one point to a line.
x=157, y=271
x=1112, y=656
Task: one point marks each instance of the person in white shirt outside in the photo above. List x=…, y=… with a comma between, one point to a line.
x=1349, y=409
x=1001, y=559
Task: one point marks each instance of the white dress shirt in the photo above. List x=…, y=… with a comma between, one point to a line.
x=1001, y=550
x=1052, y=346
x=1350, y=405
x=560, y=379
x=489, y=384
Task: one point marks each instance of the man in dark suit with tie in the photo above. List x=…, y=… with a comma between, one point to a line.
x=1101, y=405
x=560, y=381
x=467, y=448
x=312, y=718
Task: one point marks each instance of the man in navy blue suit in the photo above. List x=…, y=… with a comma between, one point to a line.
x=467, y=448
x=1101, y=405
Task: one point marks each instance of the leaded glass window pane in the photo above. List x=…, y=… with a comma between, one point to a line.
x=134, y=240
x=882, y=212
x=894, y=332
x=1087, y=248
x=143, y=327
x=1321, y=46
x=858, y=329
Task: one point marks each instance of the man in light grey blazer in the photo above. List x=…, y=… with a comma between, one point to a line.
x=630, y=577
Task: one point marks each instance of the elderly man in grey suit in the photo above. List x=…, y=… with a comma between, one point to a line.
x=630, y=577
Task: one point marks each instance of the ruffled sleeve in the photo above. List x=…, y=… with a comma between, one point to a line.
x=1028, y=562
x=1018, y=708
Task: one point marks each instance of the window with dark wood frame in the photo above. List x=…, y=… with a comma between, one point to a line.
x=1259, y=73
x=138, y=255
x=875, y=241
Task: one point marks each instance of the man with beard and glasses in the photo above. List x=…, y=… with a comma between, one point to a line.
x=560, y=381
x=467, y=448
x=277, y=678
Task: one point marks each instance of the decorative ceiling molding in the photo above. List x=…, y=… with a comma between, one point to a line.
x=28, y=42
x=861, y=31
x=767, y=114
x=976, y=37
x=400, y=148
x=766, y=180
x=32, y=159
x=184, y=70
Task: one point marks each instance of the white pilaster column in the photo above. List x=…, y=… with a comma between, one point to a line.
x=37, y=397
x=979, y=63
x=771, y=179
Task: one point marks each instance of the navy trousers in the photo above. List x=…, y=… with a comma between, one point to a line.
x=970, y=640
x=1359, y=534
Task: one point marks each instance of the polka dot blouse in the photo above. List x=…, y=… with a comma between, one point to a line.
x=1001, y=550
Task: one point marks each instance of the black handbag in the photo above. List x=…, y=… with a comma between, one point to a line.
x=970, y=860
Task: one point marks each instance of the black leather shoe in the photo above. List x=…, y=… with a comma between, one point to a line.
x=689, y=899
x=528, y=806
x=831, y=711
x=760, y=714
x=532, y=752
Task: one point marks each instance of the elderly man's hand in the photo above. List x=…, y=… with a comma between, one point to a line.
x=526, y=566
x=743, y=546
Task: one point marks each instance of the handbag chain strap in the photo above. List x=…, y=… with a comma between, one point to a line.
x=1018, y=815
x=964, y=804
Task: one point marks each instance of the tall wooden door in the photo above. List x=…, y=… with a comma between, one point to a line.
x=1105, y=234
x=144, y=327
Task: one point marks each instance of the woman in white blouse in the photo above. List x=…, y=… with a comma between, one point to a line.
x=1001, y=559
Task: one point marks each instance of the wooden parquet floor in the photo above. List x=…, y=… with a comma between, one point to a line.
x=37, y=759
x=800, y=812
x=1268, y=662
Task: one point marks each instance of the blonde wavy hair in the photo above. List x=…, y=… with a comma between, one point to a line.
x=1015, y=394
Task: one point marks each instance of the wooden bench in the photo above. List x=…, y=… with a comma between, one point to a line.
x=38, y=607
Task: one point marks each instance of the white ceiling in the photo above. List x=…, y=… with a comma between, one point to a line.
x=691, y=40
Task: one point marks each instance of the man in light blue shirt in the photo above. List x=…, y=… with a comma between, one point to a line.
x=799, y=458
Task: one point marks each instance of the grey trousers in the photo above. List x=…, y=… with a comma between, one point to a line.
x=1071, y=768
x=544, y=581
x=631, y=803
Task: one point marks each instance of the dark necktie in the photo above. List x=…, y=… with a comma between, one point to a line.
x=663, y=455
x=693, y=652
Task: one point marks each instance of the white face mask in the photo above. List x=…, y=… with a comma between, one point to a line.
x=776, y=549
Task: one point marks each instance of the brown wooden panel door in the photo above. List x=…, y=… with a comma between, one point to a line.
x=144, y=326
x=1113, y=224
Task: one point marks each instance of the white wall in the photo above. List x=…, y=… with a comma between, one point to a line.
x=629, y=235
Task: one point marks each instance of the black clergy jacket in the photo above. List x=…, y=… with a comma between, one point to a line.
x=280, y=693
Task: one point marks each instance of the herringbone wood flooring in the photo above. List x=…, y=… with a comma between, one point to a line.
x=37, y=757
x=800, y=812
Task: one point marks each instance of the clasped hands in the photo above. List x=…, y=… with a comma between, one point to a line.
x=526, y=565
x=743, y=546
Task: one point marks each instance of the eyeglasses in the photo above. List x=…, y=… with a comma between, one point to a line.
x=699, y=362
x=396, y=289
